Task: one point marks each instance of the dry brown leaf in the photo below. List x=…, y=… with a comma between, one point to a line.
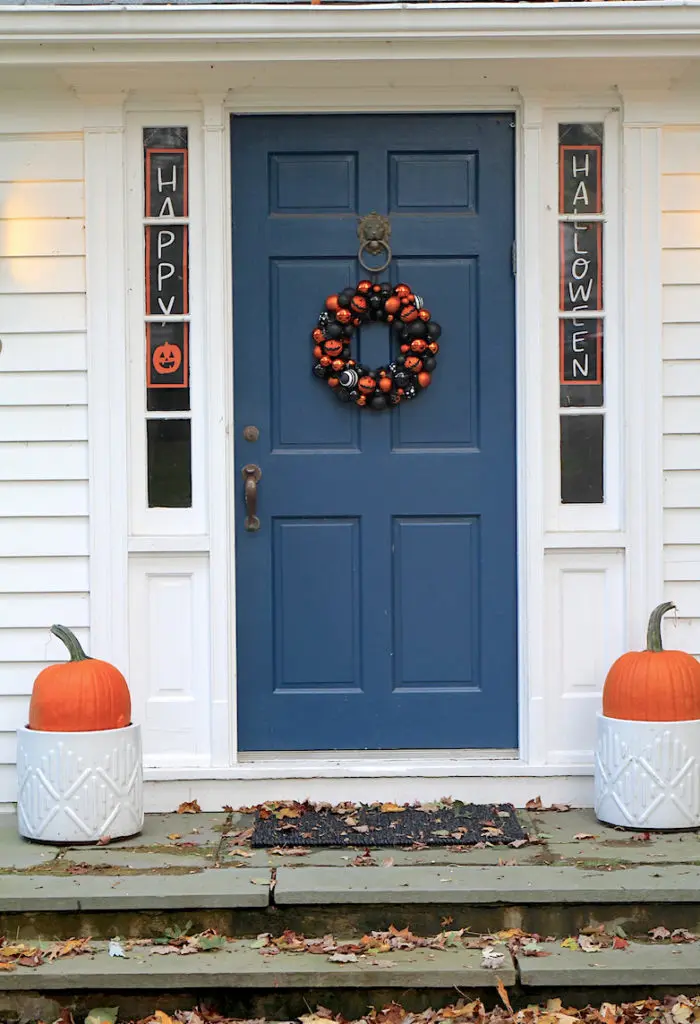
x=189, y=807
x=173, y=836
x=503, y=994
x=163, y=1018
x=387, y=808
x=585, y=835
x=104, y=841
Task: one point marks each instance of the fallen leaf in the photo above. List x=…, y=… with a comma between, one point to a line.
x=227, y=809
x=503, y=994
x=570, y=943
x=102, y=1015
x=387, y=808
x=189, y=807
x=104, y=841
x=388, y=862
x=163, y=1018
x=588, y=944
x=584, y=835
x=660, y=933
x=173, y=836
x=260, y=881
x=517, y=843
x=534, y=804
x=619, y=943
x=289, y=851
x=287, y=812
x=506, y=863
x=6, y=966
x=492, y=958
x=343, y=958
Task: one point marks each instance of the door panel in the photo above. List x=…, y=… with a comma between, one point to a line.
x=376, y=605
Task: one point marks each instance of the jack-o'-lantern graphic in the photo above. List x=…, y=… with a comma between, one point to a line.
x=167, y=358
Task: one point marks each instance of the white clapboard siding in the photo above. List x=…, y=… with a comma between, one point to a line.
x=680, y=341
x=47, y=274
x=680, y=192
x=56, y=388
x=41, y=159
x=44, y=498
x=44, y=534
x=22, y=200
x=46, y=423
x=42, y=237
x=37, y=314
x=680, y=153
x=36, y=537
x=44, y=460
x=36, y=644
x=17, y=678
x=680, y=267
x=25, y=353
x=41, y=610
x=682, y=489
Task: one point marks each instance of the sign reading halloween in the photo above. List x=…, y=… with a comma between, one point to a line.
x=412, y=327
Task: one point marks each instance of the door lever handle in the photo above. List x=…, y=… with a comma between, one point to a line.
x=251, y=476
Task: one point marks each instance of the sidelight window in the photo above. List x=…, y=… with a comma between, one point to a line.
x=581, y=314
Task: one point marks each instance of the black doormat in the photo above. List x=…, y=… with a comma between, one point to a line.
x=370, y=826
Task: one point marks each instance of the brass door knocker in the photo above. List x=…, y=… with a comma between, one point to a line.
x=374, y=232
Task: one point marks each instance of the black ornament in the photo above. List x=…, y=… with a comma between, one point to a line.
x=348, y=377
x=376, y=302
x=320, y=371
x=433, y=330
x=344, y=300
x=429, y=364
x=416, y=330
x=335, y=331
x=378, y=402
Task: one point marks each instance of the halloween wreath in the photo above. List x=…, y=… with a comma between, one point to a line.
x=411, y=324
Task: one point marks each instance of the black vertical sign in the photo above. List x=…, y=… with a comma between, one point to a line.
x=166, y=258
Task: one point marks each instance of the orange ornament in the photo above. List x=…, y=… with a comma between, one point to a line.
x=653, y=685
x=343, y=316
x=359, y=304
x=408, y=314
x=364, y=287
x=81, y=695
x=318, y=352
x=338, y=364
x=361, y=400
x=325, y=361
x=333, y=382
x=424, y=379
x=424, y=314
x=332, y=303
x=414, y=364
x=402, y=290
x=366, y=385
x=333, y=347
x=405, y=347
x=318, y=335
x=385, y=384
x=434, y=347
x=418, y=345
x=393, y=305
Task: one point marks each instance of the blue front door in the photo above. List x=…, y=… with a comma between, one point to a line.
x=376, y=603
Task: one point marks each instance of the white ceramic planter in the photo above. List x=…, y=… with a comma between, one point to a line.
x=647, y=774
x=75, y=787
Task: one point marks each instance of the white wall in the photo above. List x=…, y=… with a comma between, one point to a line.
x=43, y=415
x=681, y=351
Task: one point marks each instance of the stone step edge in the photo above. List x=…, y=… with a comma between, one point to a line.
x=642, y=965
x=246, y=888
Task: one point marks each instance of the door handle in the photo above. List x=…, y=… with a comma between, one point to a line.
x=251, y=476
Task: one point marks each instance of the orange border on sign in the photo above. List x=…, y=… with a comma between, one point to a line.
x=185, y=358
x=597, y=147
x=562, y=263
x=185, y=178
x=185, y=276
x=598, y=321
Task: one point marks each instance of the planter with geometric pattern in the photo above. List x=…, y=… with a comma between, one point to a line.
x=647, y=774
x=77, y=787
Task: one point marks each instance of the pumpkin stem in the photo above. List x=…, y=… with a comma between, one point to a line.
x=654, y=627
x=72, y=643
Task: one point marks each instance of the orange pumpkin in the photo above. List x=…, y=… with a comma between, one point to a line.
x=81, y=695
x=653, y=685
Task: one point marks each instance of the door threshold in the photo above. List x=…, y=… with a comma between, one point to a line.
x=354, y=756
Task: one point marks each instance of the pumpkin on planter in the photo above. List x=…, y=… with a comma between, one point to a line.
x=80, y=695
x=653, y=685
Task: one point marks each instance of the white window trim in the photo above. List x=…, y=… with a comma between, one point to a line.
x=607, y=516
x=142, y=519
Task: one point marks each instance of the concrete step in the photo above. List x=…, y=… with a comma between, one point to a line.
x=239, y=980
